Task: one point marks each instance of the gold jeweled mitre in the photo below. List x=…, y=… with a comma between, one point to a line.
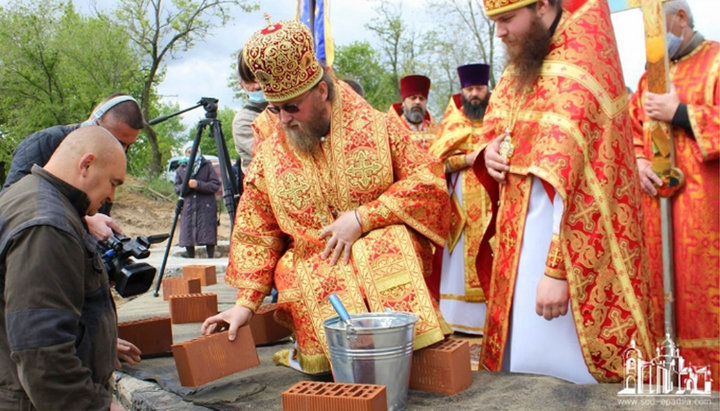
x=282, y=58
x=494, y=7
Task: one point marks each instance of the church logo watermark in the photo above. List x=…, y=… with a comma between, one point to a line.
x=665, y=374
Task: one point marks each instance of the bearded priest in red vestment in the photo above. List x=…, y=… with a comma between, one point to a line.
x=693, y=110
x=337, y=200
x=412, y=110
x=462, y=301
x=567, y=295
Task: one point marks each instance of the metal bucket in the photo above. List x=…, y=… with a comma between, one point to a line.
x=379, y=351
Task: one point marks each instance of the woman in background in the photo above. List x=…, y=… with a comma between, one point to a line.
x=198, y=225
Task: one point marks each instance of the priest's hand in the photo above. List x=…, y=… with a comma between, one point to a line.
x=470, y=158
x=552, y=298
x=496, y=164
x=648, y=178
x=661, y=107
x=230, y=319
x=342, y=234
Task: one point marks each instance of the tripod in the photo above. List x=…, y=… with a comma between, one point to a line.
x=230, y=188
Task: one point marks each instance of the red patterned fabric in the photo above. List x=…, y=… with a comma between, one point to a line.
x=695, y=208
x=458, y=136
x=282, y=58
x=573, y=132
x=424, y=134
x=367, y=164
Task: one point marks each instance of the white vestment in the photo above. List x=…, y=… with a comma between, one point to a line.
x=536, y=345
x=462, y=316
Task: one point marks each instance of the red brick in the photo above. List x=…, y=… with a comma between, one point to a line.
x=442, y=368
x=211, y=357
x=150, y=335
x=178, y=285
x=192, y=308
x=264, y=328
x=206, y=273
x=330, y=396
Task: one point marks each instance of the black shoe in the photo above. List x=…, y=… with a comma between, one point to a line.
x=189, y=252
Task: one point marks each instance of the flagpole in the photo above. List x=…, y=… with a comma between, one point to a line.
x=311, y=4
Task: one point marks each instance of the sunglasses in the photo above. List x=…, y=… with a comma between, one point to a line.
x=292, y=108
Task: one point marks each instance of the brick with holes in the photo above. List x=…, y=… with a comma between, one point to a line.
x=442, y=368
x=264, y=328
x=206, y=273
x=330, y=396
x=192, y=308
x=178, y=285
x=151, y=335
x=208, y=358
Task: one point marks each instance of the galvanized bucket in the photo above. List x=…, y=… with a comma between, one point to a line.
x=376, y=350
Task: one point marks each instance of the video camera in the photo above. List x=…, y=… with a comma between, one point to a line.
x=130, y=278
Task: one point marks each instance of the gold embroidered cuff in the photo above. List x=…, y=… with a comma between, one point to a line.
x=249, y=298
x=639, y=152
x=375, y=215
x=456, y=162
x=554, y=266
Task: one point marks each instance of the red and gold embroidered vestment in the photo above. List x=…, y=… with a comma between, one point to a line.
x=367, y=163
x=457, y=136
x=695, y=208
x=573, y=132
x=424, y=134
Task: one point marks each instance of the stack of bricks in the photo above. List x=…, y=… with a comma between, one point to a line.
x=442, y=368
x=192, y=308
x=330, y=396
x=206, y=274
x=178, y=286
x=265, y=329
x=208, y=358
x=150, y=335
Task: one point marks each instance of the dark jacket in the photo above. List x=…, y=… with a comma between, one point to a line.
x=198, y=225
x=36, y=149
x=58, y=326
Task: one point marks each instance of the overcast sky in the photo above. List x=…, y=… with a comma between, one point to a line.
x=204, y=70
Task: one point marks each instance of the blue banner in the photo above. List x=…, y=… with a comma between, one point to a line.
x=315, y=14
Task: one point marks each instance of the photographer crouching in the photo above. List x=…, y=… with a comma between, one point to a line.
x=58, y=333
x=119, y=114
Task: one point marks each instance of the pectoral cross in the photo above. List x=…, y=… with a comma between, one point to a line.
x=506, y=147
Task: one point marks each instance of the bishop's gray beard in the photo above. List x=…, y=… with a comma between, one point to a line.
x=307, y=137
x=302, y=141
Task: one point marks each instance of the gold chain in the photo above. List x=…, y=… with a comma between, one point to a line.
x=506, y=145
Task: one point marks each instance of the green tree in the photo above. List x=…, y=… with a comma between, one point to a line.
x=160, y=28
x=360, y=62
x=169, y=134
x=207, y=143
x=398, y=44
x=56, y=65
x=468, y=33
x=463, y=35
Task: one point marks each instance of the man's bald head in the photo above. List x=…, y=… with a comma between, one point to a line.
x=92, y=160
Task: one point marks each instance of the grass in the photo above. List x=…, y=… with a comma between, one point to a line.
x=156, y=188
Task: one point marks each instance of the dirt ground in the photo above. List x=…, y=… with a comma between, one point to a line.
x=141, y=212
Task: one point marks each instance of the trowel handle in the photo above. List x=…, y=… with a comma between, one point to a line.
x=339, y=308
